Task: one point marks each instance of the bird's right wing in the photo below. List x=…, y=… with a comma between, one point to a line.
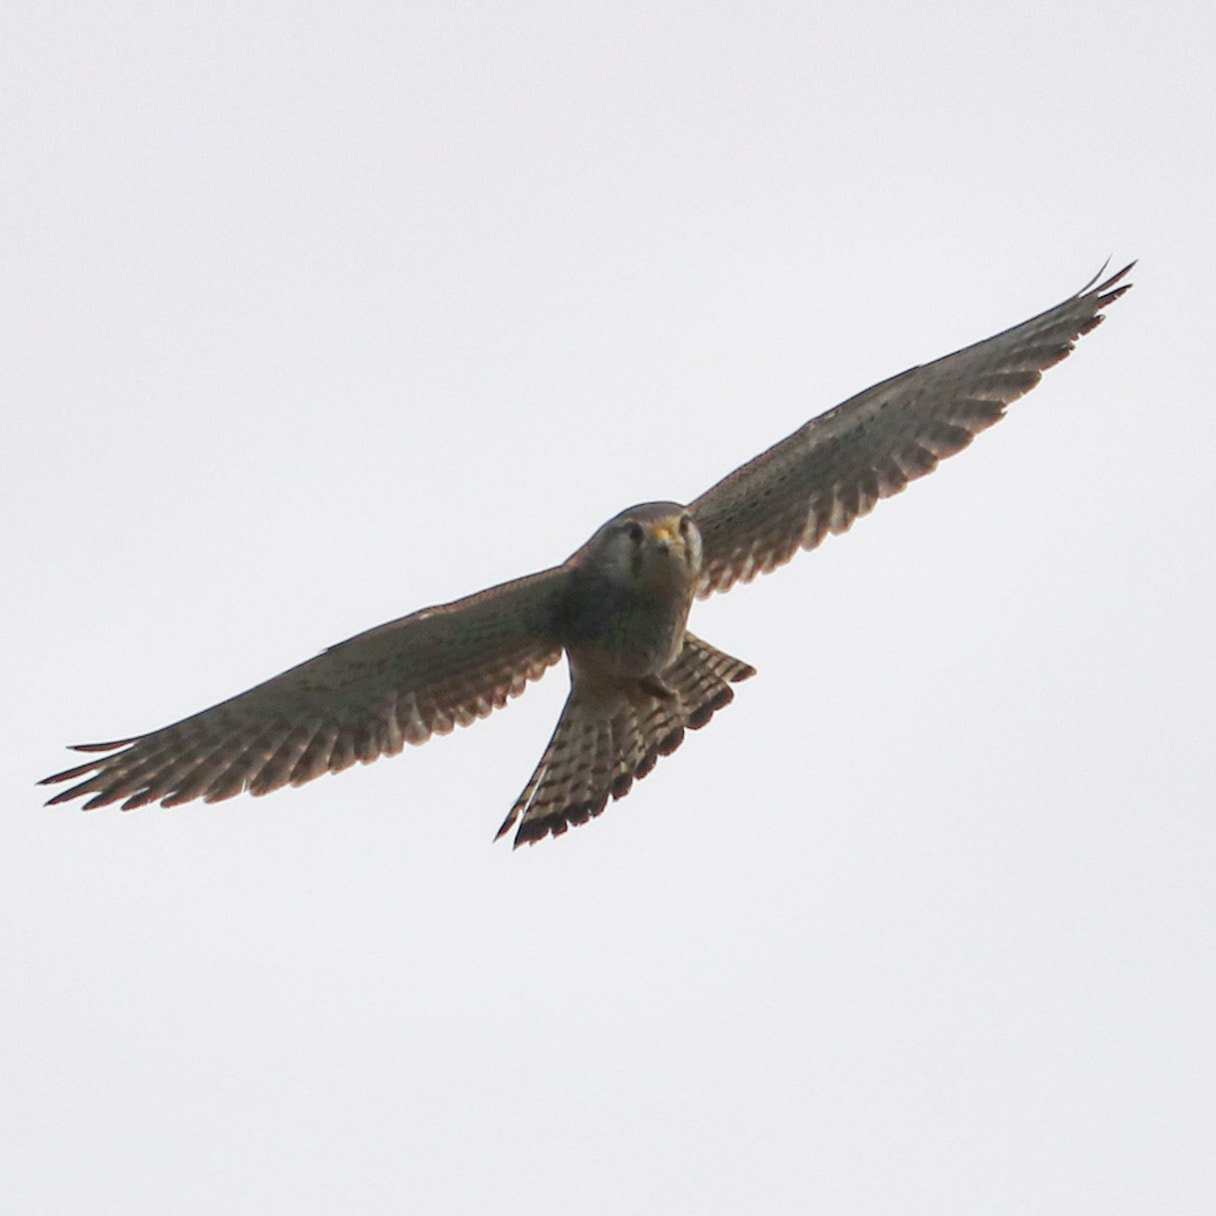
x=398, y=683
x=837, y=466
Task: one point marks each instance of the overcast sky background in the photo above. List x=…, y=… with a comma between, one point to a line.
x=315, y=315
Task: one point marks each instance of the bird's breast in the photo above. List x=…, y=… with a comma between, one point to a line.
x=630, y=632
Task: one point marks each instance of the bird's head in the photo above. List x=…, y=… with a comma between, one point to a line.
x=654, y=546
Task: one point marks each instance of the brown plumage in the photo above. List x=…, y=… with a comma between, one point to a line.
x=608, y=738
x=618, y=608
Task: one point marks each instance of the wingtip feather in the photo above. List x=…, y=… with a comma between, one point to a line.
x=1103, y=290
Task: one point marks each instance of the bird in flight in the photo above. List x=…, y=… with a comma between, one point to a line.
x=618, y=608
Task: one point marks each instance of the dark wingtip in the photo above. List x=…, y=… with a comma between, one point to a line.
x=103, y=747
x=1103, y=290
x=69, y=774
x=79, y=770
x=78, y=791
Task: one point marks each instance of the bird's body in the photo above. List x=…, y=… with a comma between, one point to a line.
x=618, y=608
x=625, y=606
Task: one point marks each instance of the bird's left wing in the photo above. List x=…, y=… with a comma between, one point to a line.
x=399, y=683
x=837, y=466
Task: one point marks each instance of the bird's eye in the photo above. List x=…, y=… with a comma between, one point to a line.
x=635, y=531
x=685, y=525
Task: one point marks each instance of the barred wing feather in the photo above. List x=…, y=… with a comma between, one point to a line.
x=368, y=696
x=837, y=466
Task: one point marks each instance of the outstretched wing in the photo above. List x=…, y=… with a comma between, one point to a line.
x=837, y=466
x=399, y=683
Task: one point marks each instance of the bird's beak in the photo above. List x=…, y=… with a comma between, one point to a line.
x=664, y=534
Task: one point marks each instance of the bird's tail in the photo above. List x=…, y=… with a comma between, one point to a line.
x=601, y=746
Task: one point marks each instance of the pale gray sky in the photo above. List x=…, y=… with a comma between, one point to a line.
x=314, y=315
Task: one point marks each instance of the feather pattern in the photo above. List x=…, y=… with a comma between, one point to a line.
x=399, y=683
x=618, y=607
x=608, y=738
x=836, y=467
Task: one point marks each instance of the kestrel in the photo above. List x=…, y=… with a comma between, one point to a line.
x=618, y=608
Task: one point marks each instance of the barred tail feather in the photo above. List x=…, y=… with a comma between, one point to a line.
x=602, y=745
